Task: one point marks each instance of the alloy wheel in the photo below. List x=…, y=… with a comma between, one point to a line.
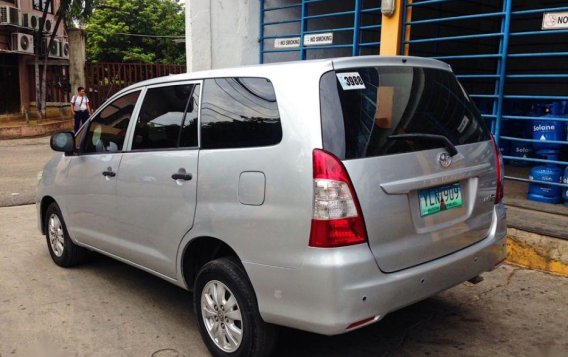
x=56, y=235
x=222, y=316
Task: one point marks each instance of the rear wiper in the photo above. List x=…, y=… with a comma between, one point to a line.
x=428, y=137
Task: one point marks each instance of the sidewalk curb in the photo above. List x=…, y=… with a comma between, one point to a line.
x=24, y=199
x=537, y=252
x=28, y=131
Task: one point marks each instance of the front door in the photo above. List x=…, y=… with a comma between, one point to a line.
x=157, y=180
x=89, y=195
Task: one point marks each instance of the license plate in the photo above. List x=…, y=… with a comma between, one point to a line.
x=441, y=198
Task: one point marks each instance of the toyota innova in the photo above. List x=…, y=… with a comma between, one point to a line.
x=319, y=195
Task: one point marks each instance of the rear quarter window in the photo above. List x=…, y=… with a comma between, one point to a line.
x=358, y=118
x=239, y=113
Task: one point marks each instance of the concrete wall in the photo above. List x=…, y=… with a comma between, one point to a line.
x=221, y=33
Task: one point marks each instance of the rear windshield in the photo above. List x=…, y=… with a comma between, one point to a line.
x=362, y=107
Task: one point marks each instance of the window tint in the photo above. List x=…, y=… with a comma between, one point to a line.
x=108, y=129
x=161, y=116
x=358, y=121
x=239, y=112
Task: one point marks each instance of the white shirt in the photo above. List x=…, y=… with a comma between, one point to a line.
x=79, y=103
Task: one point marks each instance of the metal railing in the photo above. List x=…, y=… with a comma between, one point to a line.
x=511, y=82
x=284, y=20
x=103, y=79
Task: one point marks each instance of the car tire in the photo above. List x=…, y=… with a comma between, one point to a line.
x=227, y=311
x=63, y=251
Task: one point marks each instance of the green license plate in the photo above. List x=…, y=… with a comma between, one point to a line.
x=441, y=198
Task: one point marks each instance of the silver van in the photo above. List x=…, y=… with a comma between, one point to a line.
x=319, y=195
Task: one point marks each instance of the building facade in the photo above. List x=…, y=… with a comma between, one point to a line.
x=511, y=56
x=19, y=23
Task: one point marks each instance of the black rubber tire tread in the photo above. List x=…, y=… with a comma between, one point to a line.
x=259, y=338
x=72, y=254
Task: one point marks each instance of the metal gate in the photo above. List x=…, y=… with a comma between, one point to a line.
x=514, y=65
x=307, y=29
x=105, y=79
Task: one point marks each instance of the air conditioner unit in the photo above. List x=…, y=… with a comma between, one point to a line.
x=47, y=27
x=64, y=50
x=22, y=42
x=25, y=20
x=34, y=22
x=9, y=16
x=54, y=50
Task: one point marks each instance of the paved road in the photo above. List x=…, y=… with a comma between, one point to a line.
x=106, y=308
x=20, y=161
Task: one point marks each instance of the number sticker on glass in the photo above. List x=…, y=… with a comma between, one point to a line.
x=351, y=81
x=441, y=198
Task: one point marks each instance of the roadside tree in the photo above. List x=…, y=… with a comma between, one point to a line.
x=137, y=31
x=69, y=11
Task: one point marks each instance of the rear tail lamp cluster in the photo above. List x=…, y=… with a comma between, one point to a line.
x=337, y=220
x=500, y=172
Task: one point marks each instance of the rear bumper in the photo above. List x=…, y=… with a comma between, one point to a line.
x=337, y=287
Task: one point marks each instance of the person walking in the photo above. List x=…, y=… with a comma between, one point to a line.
x=80, y=107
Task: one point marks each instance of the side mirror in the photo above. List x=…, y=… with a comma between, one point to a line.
x=63, y=141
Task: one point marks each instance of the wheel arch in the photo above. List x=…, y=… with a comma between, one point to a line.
x=46, y=201
x=201, y=250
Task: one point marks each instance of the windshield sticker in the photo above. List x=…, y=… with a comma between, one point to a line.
x=351, y=81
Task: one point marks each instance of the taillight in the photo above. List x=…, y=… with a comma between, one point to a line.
x=500, y=171
x=337, y=220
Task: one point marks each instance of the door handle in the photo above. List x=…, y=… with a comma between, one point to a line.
x=109, y=173
x=182, y=176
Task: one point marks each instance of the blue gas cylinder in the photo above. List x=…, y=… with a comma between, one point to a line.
x=548, y=130
x=520, y=149
x=542, y=192
x=565, y=189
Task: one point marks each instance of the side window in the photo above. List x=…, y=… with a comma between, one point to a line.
x=161, y=116
x=108, y=129
x=238, y=113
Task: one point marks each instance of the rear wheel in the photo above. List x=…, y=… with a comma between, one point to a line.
x=227, y=312
x=61, y=248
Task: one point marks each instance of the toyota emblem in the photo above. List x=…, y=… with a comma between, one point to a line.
x=445, y=160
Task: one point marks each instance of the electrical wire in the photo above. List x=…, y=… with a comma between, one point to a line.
x=137, y=34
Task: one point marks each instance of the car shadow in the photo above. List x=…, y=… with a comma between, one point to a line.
x=388, y=337
x=426, y=322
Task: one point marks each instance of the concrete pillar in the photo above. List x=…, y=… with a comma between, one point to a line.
x=198, y=35
x=77, y=58
x=221, y=33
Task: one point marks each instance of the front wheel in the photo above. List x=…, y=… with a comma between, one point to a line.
x=227, y=312
x=61, y=248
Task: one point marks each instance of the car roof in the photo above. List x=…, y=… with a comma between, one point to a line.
x=319, y=66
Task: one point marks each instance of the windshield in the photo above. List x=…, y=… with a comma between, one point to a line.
x=362, y=107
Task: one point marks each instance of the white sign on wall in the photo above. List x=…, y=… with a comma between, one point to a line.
x=555, y=20
x=290, y=42
x=318, y=39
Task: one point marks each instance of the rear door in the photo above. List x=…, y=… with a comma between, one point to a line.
x=157, y=180
x=419, y=203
